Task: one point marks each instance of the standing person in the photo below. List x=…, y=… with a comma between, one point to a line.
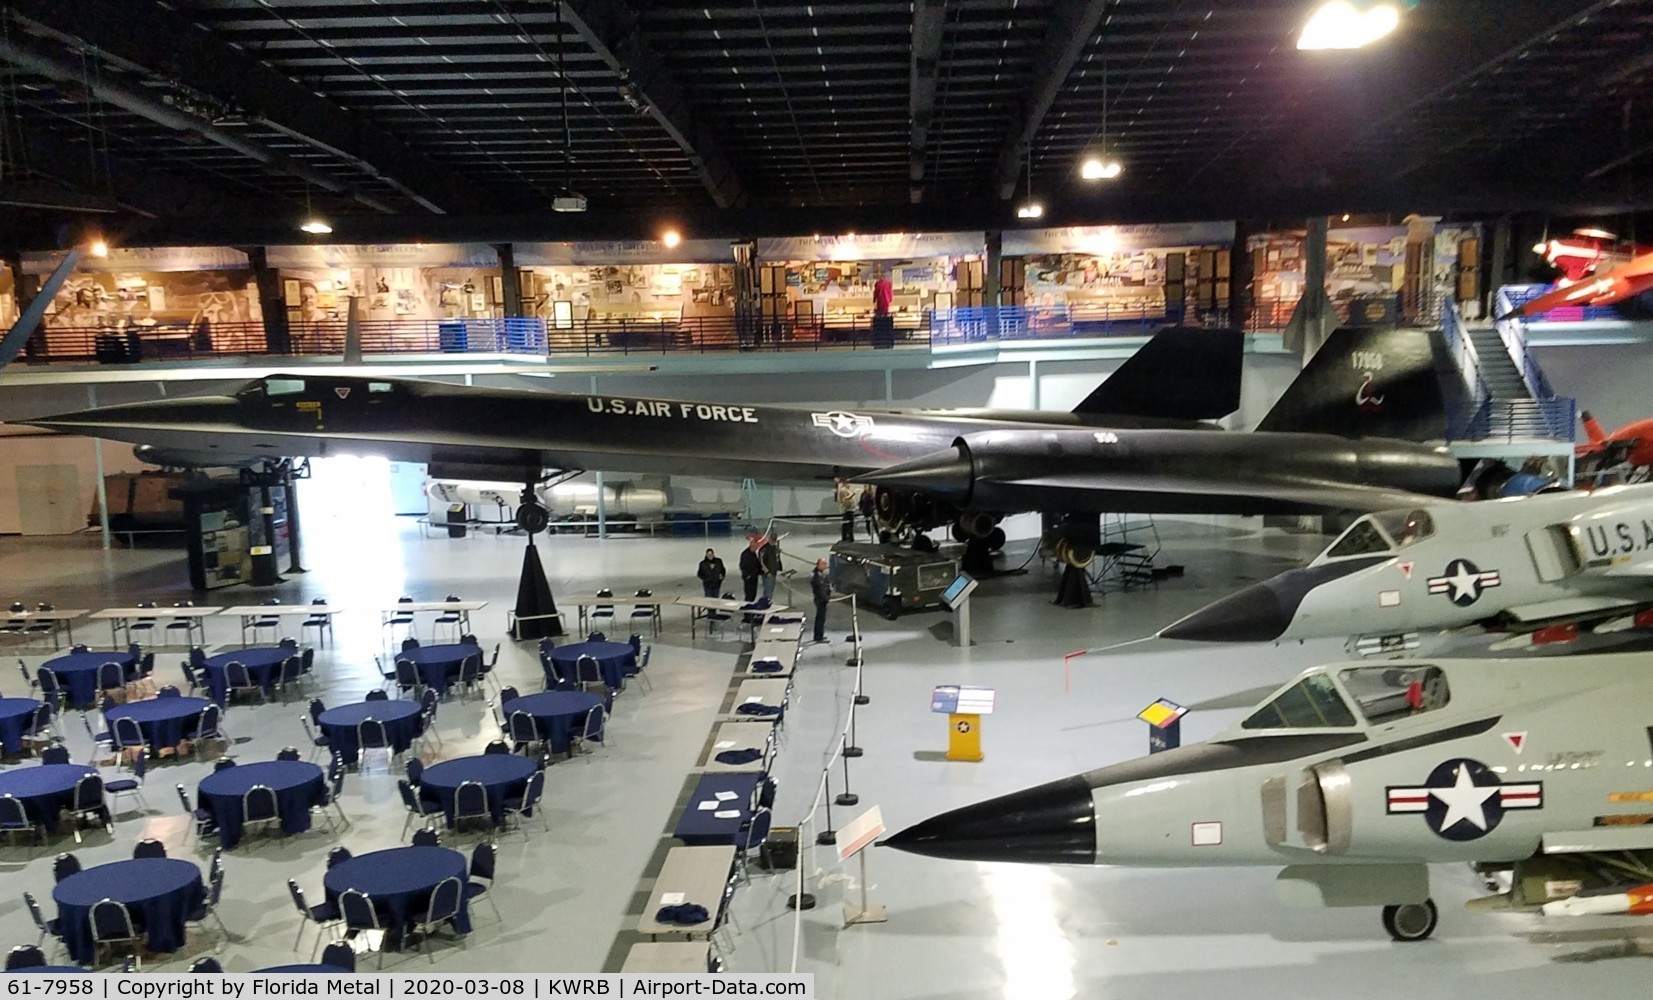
x=711, y=574
x=750, y=568
x=820, y=588
x=769, y=557
x=869, y=508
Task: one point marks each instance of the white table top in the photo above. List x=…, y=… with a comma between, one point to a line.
x=668, y=956
x=154, y=612
x=282, y=610
x=721, y=604
x=64, y=615
x=767, y=692
x=780, y=633
x=433, y=606
x=738, y=736
x=699, y=873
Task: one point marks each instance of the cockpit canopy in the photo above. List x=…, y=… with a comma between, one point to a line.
x=295, y=388
x=1380, y=694
x=1385, y=531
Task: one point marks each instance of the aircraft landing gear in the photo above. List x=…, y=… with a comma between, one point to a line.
x=1411, y=921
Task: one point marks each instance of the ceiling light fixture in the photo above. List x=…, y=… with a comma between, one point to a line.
x=1341, y=24
x=671, y=238
x=1102, y=167
x=98, y=248
x=1030, y=209
x=315, y=225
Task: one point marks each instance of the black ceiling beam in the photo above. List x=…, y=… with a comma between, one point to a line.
x=1471, y=191
x=1071, y=23
x=613, y=30
x=929, y=18
x=167, y=44
x=131, y=187
x=1438, y=48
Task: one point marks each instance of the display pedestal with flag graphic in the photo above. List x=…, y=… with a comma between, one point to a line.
x=1164, y=719
x=964, y=707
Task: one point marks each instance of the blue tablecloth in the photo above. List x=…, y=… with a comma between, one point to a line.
x=614, y=661
x=298, y=787
x=439, y=665
x=555, y=713
x=400, y=881
x=263, y=664
x=166, y=722
x=44, y=791
x=77, y=673
x=699, y=827
x=401, y=719
x=502, y=774
x=329, y=970
x=158, y=892
x=15, y=716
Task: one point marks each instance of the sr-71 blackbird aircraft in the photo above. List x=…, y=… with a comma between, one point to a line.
x=1135, y=444
x=1354, y=777
x=1538, y=566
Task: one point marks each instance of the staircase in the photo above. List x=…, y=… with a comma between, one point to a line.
x=1502, y=379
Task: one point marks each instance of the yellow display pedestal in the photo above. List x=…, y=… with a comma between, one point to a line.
x=963, y=736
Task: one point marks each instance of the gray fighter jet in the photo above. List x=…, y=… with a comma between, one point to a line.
x=1354, y=777
x=1538, y=567
x=1136, y=444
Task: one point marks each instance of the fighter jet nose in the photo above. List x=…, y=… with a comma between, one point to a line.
x=941, y=473
x=1049, y=824
x=1254, y=614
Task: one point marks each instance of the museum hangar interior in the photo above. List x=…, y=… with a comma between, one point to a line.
x=437, y=337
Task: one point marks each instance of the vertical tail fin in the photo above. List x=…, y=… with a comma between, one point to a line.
x=1183, y=373
x=1366, y=382
x=1592, y=428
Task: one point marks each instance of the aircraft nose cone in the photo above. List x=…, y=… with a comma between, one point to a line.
x=1053, y=823
x=1255, y=614
x=942, y=473
x=186, y=412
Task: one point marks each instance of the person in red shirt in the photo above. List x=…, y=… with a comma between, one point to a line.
x=883, y=294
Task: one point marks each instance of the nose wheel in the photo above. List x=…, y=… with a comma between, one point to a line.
x=1411, y=921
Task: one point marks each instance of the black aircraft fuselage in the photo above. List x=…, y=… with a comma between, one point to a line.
x=486, y=433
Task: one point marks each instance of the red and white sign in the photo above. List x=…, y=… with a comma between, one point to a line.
x=860, y=832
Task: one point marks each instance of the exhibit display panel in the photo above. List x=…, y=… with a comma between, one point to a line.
x=164, y=302
x=1099, y=274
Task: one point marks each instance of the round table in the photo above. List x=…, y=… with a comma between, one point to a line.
x=502, y=774
x=45, y=791
x=614, y=661
x=555, y=713
x=263, y=665
x=77, y=673
x=298, y=787
x=400, y=881
x=439, y=665
x=401, y=719
x=16, y=714
x=159, y=893
x=329, y=970
x=165, y=722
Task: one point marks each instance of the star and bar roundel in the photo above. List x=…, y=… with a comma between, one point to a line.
x=1463, y=799
x=1463, y=582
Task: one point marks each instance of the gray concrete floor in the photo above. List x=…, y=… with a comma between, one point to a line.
x=954, y=930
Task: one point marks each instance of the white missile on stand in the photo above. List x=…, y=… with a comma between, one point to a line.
x=1637, y=901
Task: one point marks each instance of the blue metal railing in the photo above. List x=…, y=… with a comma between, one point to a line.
x=974, y=324
x=1482, y=418
x=1513, y=331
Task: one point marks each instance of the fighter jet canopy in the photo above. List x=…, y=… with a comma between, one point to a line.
x=1385, y=531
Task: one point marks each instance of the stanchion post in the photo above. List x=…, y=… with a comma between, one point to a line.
x=847, y=797
x=829, y=835
x=801, y=900
x=851, y=749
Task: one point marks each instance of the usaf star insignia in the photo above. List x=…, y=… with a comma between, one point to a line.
x=1464, y=582
x=1463, y=799
x=841, y=423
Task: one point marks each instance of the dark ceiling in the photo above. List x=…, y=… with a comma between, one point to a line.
x=222, y=119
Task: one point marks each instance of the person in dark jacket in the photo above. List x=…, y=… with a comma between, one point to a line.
x=711, y=574
x=750, y=569
x=869, y=507
x=820, y=588
x=769, y=558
